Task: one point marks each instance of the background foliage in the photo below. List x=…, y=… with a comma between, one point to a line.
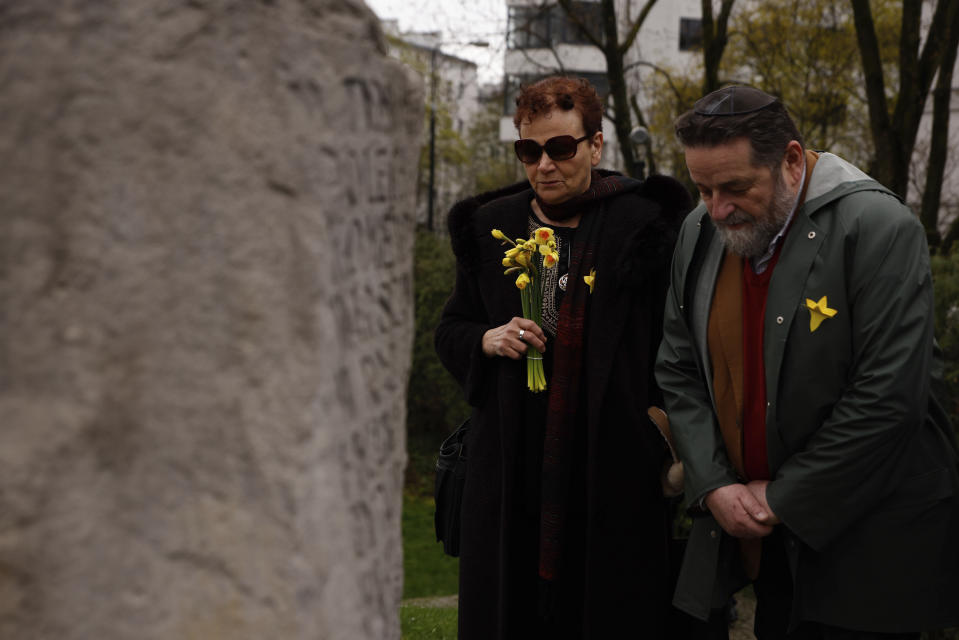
x=435, y=403
x=493, y=163
x=435, y=406
x=803, y=51
x=945, y=274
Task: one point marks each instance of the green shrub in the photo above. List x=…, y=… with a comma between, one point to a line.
x=427, y=571
x=435, y=404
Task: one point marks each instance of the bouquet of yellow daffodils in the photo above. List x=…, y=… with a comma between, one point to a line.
x=527, y=258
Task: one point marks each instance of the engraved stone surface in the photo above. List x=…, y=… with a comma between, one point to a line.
x=205, y=319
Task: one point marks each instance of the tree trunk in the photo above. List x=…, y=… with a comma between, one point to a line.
x=884, y=137
x=614, y=51
x=894, y=138
x=714, y=42
x=939, y=141
x=616, y=76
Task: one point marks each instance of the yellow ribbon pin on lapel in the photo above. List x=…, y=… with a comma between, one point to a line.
x=818, y=311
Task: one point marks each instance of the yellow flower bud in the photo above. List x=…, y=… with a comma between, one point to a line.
x=521, y=258
x=522, y=280
x=511, y=253
x=507, y=262
x=498, y=234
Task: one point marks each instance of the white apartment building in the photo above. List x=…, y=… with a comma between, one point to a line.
x=542, y=41
x=452, y=95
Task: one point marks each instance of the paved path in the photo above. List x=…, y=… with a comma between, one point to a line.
x=433, y=601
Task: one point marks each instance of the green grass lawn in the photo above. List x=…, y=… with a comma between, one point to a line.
x=432, y=623
x=427, y=570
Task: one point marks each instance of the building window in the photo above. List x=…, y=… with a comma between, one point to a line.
x=528, y=27
x=690, y=34
x=549, y=25
x=568, y=31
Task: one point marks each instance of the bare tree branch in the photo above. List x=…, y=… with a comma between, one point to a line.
x=595, y=39
x=608, y=42
x=882, y=133
x=527, y=28
x=634, y=28
x=939, y=138
x=895, y=137
x=659, y=70
x=916, y=80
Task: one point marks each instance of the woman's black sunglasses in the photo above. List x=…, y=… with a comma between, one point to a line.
x=558, y=148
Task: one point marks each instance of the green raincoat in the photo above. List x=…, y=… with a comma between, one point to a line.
x=862, y=459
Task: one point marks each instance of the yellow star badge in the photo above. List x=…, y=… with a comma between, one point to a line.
x=590, y=279
x=818, y=311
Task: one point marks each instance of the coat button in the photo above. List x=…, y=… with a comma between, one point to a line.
x=812, y=234
x=712, y=533
x=779, y=319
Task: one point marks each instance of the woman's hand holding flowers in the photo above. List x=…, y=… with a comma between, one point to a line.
x=525, y=259
x=505, y=341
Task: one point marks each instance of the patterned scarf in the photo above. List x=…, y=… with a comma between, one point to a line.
x=565, y=386
x=599, y=187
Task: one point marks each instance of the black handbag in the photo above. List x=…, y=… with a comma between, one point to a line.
x=448, y=492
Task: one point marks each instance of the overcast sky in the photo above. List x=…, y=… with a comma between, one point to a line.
x=459, y=22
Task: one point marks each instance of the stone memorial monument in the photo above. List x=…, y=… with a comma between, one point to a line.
x=205, y=319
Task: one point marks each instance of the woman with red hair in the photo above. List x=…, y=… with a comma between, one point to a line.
x=565, y=528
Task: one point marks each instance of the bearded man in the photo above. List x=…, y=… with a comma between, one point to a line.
x=796, y=365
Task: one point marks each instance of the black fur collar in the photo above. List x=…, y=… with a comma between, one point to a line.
x=673, y=199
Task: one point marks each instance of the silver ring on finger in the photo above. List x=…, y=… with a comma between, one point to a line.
x=522, y=332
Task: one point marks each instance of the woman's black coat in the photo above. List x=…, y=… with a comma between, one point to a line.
x=623, y=549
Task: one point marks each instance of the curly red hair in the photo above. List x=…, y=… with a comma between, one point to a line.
x=560, y=92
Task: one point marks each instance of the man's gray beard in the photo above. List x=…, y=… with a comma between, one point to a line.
x=753, y=240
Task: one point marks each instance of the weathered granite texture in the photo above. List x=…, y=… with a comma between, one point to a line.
x=205, y=319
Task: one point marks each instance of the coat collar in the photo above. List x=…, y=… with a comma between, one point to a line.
x=636, y=245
